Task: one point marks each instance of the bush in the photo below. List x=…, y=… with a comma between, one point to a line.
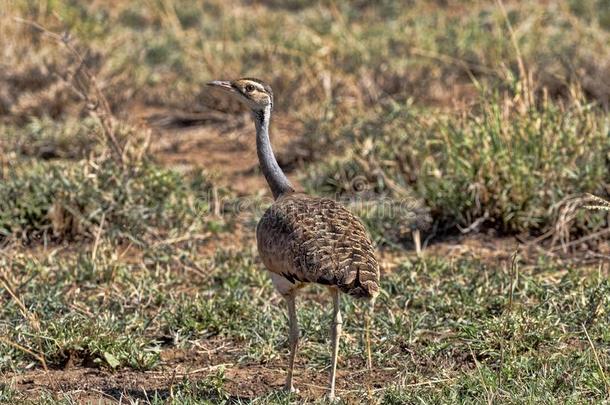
x=55, y=200
x=46, y=138
x=507, y=164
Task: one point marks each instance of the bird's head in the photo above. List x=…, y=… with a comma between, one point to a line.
x=256, y=94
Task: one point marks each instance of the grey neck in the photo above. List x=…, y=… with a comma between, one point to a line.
x=277, y=180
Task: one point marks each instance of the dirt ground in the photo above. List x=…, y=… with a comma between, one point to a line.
x=250, y=380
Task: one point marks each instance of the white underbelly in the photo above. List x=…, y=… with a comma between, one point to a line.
x=283, y=285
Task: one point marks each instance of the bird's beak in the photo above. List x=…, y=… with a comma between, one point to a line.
x=222, y=85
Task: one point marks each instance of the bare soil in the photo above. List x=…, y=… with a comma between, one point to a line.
x=228, y=153
x=243, y=380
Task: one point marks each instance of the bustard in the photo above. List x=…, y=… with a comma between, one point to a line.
x=303, y=239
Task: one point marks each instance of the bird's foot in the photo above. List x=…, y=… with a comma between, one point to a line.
x=333, y=399
x=290, y=388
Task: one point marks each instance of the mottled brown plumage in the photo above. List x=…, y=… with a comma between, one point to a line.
x=317, y=240
x=303, y=239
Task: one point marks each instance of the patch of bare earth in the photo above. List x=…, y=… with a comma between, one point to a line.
x=210, y=141
x=243, y=380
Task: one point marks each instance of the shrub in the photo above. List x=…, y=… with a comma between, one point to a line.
x=59, y=200
x=501, y=162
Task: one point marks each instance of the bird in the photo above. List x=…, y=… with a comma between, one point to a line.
x=305, y=239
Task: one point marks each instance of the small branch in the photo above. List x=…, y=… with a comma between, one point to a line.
x=30, y=317
x=188, y=237
x=17, y=346
x=475, y=225
x=97, y=237
x=82, y=82
x=522, y=70
x=514, y=277
x=586, y=238
x=599, y=364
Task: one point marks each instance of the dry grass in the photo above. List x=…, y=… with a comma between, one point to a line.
x=120, y=275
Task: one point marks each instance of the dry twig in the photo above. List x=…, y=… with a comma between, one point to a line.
x=84, y=84
x=28, y=316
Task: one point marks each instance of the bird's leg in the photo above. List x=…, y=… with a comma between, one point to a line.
x=367, y=322
x=335, y=334
x=293, y=339
x=417, y=241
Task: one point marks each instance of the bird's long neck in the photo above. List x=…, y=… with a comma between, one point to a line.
x=277, y=180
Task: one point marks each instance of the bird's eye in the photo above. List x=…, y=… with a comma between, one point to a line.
x=249, y=88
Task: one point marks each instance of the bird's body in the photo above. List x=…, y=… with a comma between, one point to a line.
x=303, y=239
x=307, y=239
